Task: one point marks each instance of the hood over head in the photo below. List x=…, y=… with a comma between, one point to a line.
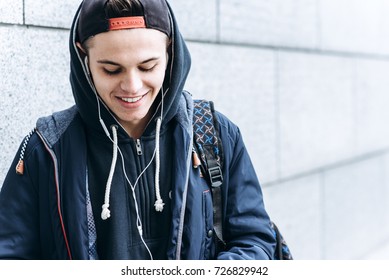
x=90, y=20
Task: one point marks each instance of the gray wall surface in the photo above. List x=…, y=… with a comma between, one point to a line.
x=305, y=80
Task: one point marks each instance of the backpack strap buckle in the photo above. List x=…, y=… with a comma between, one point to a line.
x=215, y=176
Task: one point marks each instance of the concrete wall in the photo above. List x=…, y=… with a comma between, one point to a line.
x=306, y=81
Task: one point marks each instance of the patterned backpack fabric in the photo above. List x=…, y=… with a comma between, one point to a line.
x=207, y=145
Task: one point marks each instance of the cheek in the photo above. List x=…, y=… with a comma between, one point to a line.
x=157, y=78
x=103, y=84
x=101, y=87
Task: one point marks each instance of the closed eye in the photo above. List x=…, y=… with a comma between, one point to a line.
x=147, y=69
x=112, y=72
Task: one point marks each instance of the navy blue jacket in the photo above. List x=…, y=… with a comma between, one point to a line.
x=45, y=212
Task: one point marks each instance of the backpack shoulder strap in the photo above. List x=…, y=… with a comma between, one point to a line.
x=206, y=139
x=208, y=145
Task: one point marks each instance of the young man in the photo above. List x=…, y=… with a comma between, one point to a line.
x=113, y=177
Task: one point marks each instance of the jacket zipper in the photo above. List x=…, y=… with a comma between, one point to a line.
x=56, y=176
x=138, y=147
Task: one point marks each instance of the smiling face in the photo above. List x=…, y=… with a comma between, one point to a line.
x=128, y=69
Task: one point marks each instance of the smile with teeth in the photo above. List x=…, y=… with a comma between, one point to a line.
x=132, y=100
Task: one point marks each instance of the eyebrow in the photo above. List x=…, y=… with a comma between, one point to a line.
x=106, y=61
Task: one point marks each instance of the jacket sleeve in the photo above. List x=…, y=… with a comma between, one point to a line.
x=246, y=227
x=19, y=226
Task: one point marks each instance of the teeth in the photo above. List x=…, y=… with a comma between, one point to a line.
x=132, y=100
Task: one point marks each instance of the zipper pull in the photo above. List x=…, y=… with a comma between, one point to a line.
x=20, y=165
x=138, y=147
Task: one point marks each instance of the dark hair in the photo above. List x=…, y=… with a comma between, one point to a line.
x=123, y=8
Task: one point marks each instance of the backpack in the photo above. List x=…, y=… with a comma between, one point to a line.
x=207, y=145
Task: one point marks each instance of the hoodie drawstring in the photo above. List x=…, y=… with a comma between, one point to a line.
x=106, y=213
x=159, y=202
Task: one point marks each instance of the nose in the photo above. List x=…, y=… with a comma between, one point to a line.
x=131, y=83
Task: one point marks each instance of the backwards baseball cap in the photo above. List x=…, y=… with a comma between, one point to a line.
x=94, y=20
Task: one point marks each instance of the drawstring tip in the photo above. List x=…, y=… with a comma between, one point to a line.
x=106, y=213
x=20, y=167
x=159, y=205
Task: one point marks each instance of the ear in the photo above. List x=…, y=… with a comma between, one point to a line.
x=80, y=47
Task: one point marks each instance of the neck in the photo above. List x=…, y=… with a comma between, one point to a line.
x=136, y=130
